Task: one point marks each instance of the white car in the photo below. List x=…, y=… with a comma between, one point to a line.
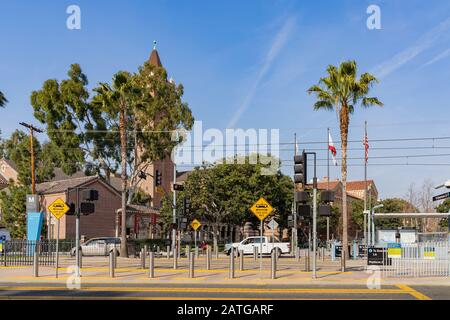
x=99, y=247
x=268, y=247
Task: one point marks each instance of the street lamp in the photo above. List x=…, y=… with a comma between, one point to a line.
x=372, y=235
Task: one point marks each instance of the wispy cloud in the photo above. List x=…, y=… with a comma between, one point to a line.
x=439, y=57
x=424, y=42
x=277, y=45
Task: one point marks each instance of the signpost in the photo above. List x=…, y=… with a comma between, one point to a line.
x=261, y=209
x=273, y=225
x=58, y=209
x=195, y=224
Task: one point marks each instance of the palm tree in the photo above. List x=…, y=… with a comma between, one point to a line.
x=119, y=99
x=3, y=100
x=342, y=91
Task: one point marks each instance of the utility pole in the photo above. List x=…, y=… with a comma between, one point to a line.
x=294, y=211
x=33, y=167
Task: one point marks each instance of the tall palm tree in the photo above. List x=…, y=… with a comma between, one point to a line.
x=3, y=100
x=120, y=99
x=342, y=91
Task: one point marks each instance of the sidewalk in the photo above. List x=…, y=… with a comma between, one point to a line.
x=290, y=272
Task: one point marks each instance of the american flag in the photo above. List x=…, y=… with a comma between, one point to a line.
x=366, y=146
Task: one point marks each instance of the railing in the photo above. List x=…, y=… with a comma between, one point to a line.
x=20, y=252
x=426, y=259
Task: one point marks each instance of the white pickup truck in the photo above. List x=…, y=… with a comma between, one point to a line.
x=249, y=243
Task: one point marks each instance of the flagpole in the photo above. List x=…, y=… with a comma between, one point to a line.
x=365, y=182
x=328, y=183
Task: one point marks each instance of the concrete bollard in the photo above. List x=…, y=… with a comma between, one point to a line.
x=151, y=266
x=297, y=254
x=175, y=260
x=191, y=264
x=323, y=254
x=168, y=252
x=208, y=258
x=307, y=260
x=273, y=268
x=255, y=253
x=241, y=260
x=342, y=261
x=142, y=254
x=196, y=252
x=35, y=264
x=111, y=264
x=187, y=251
x=158, y=250
x=81, y=259
x=232, y=263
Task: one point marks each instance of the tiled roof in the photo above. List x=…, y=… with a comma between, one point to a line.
x=358, y=185
x=63, y=185
x=323, y=185
x=182, y=176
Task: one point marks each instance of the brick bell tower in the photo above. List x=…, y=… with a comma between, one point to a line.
x=165, y=167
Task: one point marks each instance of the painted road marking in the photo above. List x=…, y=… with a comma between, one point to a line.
x=416, y=294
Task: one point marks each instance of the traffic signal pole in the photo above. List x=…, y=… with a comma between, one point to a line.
x=174, y=212
x=314, y=232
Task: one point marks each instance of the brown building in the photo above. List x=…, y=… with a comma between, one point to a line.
x=8, y=171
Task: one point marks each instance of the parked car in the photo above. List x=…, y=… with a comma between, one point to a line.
x=99, y=247
x=268, y=247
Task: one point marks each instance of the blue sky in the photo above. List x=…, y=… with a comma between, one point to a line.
x=248, y=64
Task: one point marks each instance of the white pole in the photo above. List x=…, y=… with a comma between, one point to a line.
x=57, y=250
x=260, y=249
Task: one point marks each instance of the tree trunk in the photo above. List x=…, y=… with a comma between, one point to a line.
x=123, y=151
x=215, y=231
x=344, y=121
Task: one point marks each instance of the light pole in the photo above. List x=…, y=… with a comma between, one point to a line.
x=372, y=235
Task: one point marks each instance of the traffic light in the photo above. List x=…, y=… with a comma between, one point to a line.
x=327, y=196
x=324, y=210
x=87, y=208
x=300, y=168
x=72, y=210
x=89, y=195
x=186, y=206
x=304, y=210
x=158, y=178
x=178, y=187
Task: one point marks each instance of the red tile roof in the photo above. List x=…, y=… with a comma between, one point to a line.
x=358, y=185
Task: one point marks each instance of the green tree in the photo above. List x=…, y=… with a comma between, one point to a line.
x=13, y=209
x=17, y=149
x=3, y=100
x=444, y=207
x=392, y=205
x=224, y=192
x=342, y=91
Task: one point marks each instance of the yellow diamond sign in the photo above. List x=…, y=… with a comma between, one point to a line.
x=261, y=209
x=58, y=208
x=195, y=224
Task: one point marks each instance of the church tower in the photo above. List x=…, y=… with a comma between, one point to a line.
x=164, y=167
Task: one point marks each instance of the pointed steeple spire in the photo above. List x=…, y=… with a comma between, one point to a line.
x=154, y=57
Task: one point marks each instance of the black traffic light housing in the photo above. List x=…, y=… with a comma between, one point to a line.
x=158, y=178
x=324, y=210
x=178, y=187
x=89, y=195
x=304, y=210
x=87, y=208
x=72, y=210
x=186, y=206
x=300, y=168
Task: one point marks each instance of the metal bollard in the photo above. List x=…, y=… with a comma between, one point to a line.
x=255, y=253
x=232, y=263
x=187, y=251
x=196, y=252
x=307, y=260
x=151, y=266
x=297, y=254
x=81, y=259
x=35, y=264
x=208, y=258
x=241, y=260
x=111, y=264
x=323, y=254
x=158, y=249
x=168, y=252
x=142, y=258
x=342, y=261
x=175, y=260
x=191, y=264
x=274, y=265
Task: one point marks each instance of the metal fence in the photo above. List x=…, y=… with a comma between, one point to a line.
x=426, y=259
x=20, y=252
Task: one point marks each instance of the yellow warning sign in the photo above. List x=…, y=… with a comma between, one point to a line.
x=58, y=208
x=195, y=224
x=261, y=209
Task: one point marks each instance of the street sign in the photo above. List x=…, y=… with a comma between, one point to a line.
x=58, y=208
x=195, y=224
x=377, y=257
x=273, y=224
x=160, y=190
x=261, y=209
x=441, y=196
x=32, y=203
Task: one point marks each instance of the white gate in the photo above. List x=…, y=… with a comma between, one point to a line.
x=425, y=259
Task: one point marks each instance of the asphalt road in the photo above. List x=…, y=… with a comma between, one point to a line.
x=221, y=292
